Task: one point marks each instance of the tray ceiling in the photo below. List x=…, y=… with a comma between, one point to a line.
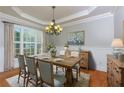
x=63, y=14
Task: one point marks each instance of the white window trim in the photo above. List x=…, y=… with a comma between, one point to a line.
x=22, y=42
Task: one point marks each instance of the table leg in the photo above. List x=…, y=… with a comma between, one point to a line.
x=69, y=76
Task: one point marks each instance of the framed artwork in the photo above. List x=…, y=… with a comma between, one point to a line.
x=76, y=38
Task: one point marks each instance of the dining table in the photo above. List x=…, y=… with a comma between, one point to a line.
x=66, y=62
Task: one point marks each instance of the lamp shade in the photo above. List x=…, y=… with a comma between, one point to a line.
x=117, y=43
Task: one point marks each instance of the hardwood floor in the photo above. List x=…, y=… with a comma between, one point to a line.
x=5, y=75
x=98, y=78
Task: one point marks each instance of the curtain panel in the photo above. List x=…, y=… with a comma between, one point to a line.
x=45, y=42
x=8, y=46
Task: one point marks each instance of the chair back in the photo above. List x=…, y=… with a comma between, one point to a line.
x=74, y=53
x=21, y=60
x=67, y=53
x=31, y=65
x=62, y=53
x=46, y=72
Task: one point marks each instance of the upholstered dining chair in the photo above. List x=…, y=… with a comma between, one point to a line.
x=76, y=67
x=47, y=75
x=61, y=54
x=33, y=73
x=22, y=68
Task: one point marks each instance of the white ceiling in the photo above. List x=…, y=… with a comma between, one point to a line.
x=45, y=13
x=63, y=14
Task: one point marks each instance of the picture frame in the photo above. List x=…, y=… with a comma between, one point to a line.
x=76, y=38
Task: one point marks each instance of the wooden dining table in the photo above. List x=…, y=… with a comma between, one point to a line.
x=66, y=62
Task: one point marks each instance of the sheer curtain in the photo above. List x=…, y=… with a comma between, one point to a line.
x=8, y=46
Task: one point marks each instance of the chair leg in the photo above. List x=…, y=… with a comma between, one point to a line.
x=65, y=72
x=41, y=83
x=77, y=73
x=63, y=69
x=24, y=80
x=36, y=83
x=27, y=80
x=19, y=75
x=56, y=69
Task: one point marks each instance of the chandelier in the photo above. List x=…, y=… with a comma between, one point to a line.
x=53, y=28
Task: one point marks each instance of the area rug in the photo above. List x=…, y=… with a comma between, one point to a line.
x=82, y=82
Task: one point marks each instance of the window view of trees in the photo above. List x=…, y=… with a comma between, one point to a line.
x=27, y=40
x=17, y=35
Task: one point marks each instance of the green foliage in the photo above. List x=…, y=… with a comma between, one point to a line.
x=51, y=47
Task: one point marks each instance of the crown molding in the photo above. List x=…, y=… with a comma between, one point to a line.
x=77, y=15
x=9, y=18
x=115, y=9
x=64, y=19
x=6, y=17
x=27, y=16
x=93, y=18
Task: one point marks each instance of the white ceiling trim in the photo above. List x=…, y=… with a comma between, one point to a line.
x=27, y=16
x=108, y=14
x=92, y=8
x=77, y=15
x=9, y=18
x=5, y=17
x=64, y=19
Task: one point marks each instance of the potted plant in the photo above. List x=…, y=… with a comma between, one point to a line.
x=52, y=49
x=53, y=52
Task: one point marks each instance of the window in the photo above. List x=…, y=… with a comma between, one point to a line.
x=27, y=40
x=17, y=35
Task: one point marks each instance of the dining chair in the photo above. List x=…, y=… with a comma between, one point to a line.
x=61, y=54
x=77, y=66
x=22, y=68
x=47, y=75
x=33, y=72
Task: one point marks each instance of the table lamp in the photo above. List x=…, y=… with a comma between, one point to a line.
x=117, y=45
